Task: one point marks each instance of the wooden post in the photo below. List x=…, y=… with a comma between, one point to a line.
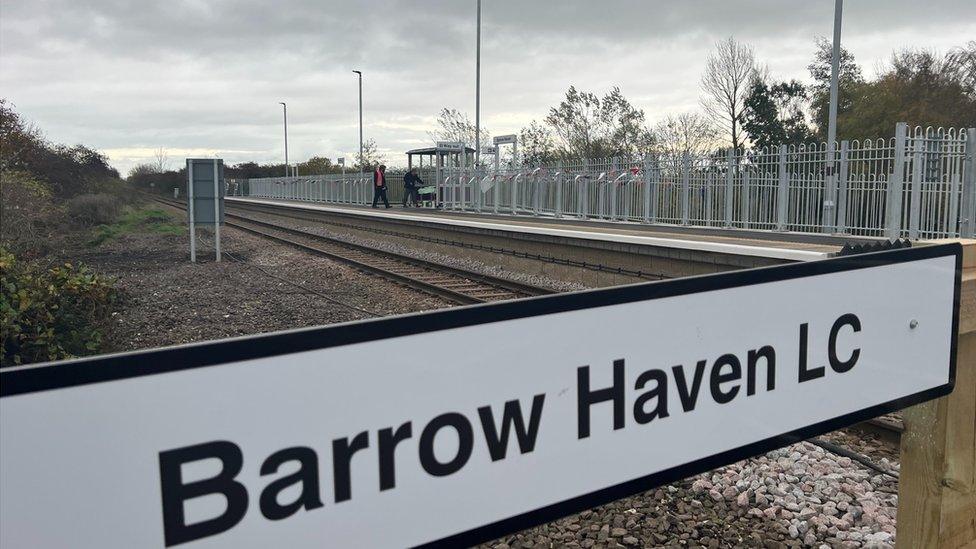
x=937, y=488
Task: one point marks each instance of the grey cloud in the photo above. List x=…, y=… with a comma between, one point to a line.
x=209, y=74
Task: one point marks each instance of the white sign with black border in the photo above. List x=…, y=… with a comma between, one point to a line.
x=455, y=146
x=458, y=426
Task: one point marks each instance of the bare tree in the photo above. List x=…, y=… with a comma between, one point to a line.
x=537, y=144
x=454, y=125
x=960, y=63
x=729, y=71
x=160, y=158
x=371, y=157
x=689, y=133
x=586, y=126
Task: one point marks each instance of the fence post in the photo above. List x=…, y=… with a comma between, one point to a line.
x=842, y=186
x=710, y=182
x=515, y=181
x=610, y=192
x=937, y=486
x=916, y=205
x=729, y=187
x=496, y=193
x=559, y=193
x=585, y=202
x=536, y=191
x=783, y=193
x=476, y=189
x=896, y=185
x=656, y=188
x=967, y=211
x=744, y=209
x=685, y=186
x=829, y=199
x=647, y=189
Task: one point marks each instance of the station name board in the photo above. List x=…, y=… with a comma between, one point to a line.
x=462, y=425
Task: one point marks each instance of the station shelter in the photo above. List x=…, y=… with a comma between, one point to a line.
x=439, y=166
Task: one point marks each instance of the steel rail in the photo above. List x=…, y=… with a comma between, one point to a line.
x=450, y=283
x=510, y=285
x=323, y=218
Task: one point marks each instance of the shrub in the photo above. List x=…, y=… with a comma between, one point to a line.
x=66, y=171
x=27, y=212
x=94, y=209
x=52, y=313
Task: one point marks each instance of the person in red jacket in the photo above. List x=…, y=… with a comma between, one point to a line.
x=379, y=185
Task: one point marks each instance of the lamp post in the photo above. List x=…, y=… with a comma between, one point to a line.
x=284, y=110
x=830, y=198
x=477, y=94
x=360, y=73
x=834, y=74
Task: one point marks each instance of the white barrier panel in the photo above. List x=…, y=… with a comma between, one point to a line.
x=410, y=430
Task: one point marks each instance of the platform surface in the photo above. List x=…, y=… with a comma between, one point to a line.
x=779, y=245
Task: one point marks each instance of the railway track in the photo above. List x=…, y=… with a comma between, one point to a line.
x=450, y=283
x=886, y=429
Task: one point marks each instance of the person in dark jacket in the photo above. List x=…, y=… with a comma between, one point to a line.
x=379, y=185
x=411, y=184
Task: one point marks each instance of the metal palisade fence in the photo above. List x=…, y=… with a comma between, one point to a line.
x=920, y=184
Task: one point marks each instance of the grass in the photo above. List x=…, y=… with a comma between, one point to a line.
x=141, y=220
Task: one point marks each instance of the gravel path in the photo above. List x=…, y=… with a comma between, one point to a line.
x=799, y=496
x=171, y=301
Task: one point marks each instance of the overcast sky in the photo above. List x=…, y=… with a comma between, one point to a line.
x=204, y=77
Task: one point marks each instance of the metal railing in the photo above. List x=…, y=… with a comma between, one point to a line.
x=920, y=184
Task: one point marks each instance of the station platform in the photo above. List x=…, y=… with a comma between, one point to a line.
x=621, y=251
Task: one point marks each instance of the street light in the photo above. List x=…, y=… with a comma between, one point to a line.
x=830, y=198
x=834, y=73
x=360, y=73
x=284, y=108
x=477, y=94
